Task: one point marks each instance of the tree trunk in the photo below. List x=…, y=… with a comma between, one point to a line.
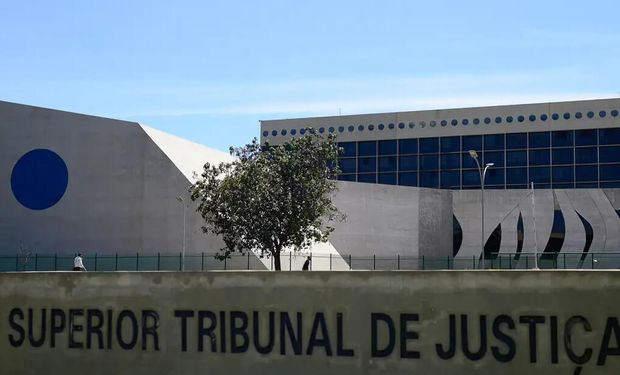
x=276, y=261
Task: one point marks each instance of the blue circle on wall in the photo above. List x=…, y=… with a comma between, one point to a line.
x=39, y=179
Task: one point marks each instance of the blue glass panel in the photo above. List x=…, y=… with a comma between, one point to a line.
x=586, y=155
x=532, y=118
x=367, y=148
x=539, y=139
x=265, y=133
x=609, y=136
x=521, y=118
x=516, y=176
x=371, y=127
x=562, y=138
x=347, y=165
x=407, y=163
x=509, y=119
x=494, y=176
x=608, y=185
x=408, y=178
x=369, y=178
x=562, y=156
x=585, y=137
x=472, y=142
x=587, y=185
x=498, y=120
x=359, y=128
x=562, y=185
x=602, y=114
x=516, y=140
x=610, y=172
x=346, y=177
x=494, y=142
x=586, y=173
x=401, y=125
x=450, y=161
x=496, y=157
x=451, y=179
x=429, y=179
x=471, y=178
x=521, y=186
x=351, y=128
x=391, y=126
x=562, y=174
x=454, y=122
x=387, y=178
x=614, y=113
x=578, y=114
x=429, y=145
x=408, y=146
x=367, y=165
x=540, y=175
x=539, y=157
x=555, y=116
x=566, y=115
x=274, y=132
x=609, y=154
x=444, y=122
x=321, y=130
x=429, y=162
x=516, y=158
x=348, y=149
x=450, y=144
x=487, y=120
x=387, y=164
x=293, y=131
x=476, y=121
x=468, y=161
x=387, y=147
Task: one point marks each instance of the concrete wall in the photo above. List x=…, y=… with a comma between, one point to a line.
x=542, y=322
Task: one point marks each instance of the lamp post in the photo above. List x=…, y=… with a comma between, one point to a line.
x=482, y=173
x=180, y=199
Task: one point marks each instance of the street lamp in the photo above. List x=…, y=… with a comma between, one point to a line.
x=482, y=173
x=180, y=199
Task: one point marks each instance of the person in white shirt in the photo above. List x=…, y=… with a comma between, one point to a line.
x=78, y=265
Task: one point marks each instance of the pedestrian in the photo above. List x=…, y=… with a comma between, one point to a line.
x=306, y=266
x=78, y=264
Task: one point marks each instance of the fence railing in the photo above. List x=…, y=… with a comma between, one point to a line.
x=294, y=261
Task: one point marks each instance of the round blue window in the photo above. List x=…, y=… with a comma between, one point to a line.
x=422, y=124
x=283, y=132
x=566, y=115
x=371, y=127
x=590, y=114
x=293, y=131
x=321, y=130
x=381, y=126
x=614, y=113
x=411, y=125
x=532, y=118
x=433, y=123
x=302, y=131
x=340, y=129
x=331, y=129
x=498, y=120
x=465, y=121
x=401, y=125
x=487, y=120
x=360, y=128
x=265, y=133
x=543, y=117
x=351, y=128
x=391, y=126
x=454, y=122
x=274, y=132
x=476, y=121
x=39, y=179
x=578, y=115
x=521, y=118
x=444, y=122
x=509, y=119
x=602, y=114
x=555, y=116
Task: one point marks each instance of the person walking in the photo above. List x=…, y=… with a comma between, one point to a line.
x=306, y=265
x=78, y=264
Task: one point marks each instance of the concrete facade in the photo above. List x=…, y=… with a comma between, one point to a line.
x=508, y=322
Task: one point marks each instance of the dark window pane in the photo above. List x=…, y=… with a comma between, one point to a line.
x=429, y=162
x=610, y=172
x=387, y=178
x=586, y=155
x=516, y=140
x=562, y=174
x=387, y=147
x=471, y=178
x=562, y=138
x=587, y=185
x=429, y=179
x=367, y=148
x=609, y=136
x=387, y=164
x=516, y=176
x=496, y=157
x=468, y=161
x=367, y=165
x=451, y=144
x=429, y=145
x=609, y=154
x=407, y=163
x=539, y=157
x=607, y=185
x=370, y=178
x=585, y=137
x=540, y=175
x=522, y=186
x=348, y=149
x=451, y=179
x=494, y=176
x=346, y=177
x=347, y=165
x=472, y=142
x=516, y=158
x=562, y=155
x=451, y=161
x=408, y=146
x=494, y=142
x=540, y=139
x=586, y=173
x=408, y=178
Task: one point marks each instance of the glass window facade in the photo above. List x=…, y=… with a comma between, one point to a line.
x=583, y=158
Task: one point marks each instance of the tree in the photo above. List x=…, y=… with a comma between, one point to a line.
x=271, y=197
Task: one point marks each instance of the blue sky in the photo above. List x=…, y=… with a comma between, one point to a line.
x=209, y=71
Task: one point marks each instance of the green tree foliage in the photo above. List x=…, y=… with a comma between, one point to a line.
x=271, y=197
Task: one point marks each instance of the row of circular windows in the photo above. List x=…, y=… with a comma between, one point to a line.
x=453, y=122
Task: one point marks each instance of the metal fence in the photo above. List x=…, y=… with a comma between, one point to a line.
x=294, y=261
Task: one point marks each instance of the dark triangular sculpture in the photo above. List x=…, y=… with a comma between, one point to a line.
x=457, y=235
x=558, y=233
x=589, y=236
x=520, y=236
x=491, y=247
